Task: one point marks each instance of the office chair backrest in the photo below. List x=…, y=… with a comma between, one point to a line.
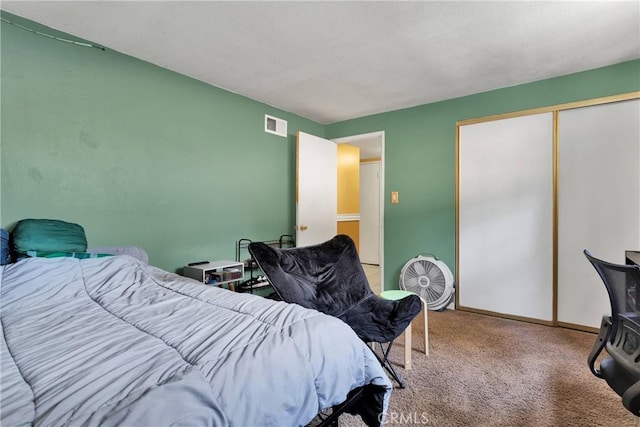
x=621, y=282
x=619, y=333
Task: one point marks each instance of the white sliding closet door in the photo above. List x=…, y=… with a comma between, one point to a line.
x=598, y=202
x=505, y=216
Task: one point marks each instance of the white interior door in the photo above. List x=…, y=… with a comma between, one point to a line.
x=370, y=213
x=599, y=202
x=316, y=190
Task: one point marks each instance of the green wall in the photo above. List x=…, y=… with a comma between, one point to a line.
x=144, y=156
x=420, y=155
x=137, y=154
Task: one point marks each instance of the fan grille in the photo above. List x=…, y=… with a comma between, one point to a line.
x=429, y=280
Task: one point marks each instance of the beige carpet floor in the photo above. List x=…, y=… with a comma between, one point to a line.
x=488, y=371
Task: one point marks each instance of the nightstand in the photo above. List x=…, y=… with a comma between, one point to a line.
x=222, y=272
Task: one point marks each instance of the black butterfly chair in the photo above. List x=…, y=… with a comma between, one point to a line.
x=328, y=277
x=620, y=332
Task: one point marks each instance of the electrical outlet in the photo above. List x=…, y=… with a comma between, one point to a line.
x=394, y=197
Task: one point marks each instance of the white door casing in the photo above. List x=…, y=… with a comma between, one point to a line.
x=365, y=141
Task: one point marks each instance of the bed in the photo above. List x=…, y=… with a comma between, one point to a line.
x=113, y=341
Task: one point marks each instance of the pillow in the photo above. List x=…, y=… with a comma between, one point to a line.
x=4, y=247
x=47, y=235
x=79, y=255
x=133, y=251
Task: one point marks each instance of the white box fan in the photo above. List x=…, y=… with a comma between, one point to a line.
x=430, y=279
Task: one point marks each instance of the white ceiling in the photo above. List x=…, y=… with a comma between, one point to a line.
x=331, y=61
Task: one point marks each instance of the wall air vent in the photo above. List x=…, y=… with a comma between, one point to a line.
x=275, y=125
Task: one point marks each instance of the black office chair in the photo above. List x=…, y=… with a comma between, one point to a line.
x=620, y=332
x=328, y=277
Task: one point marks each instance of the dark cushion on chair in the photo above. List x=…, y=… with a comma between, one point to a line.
x=378, y=320
x=329, y=278
x=618, y=378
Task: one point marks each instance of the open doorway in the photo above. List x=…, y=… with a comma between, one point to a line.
x=371, y=231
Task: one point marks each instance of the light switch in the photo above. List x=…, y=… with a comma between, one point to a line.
x=394, y=197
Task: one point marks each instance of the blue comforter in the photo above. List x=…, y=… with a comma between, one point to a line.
x=112, y=341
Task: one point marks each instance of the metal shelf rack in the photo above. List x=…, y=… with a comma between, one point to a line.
x=243, y=255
